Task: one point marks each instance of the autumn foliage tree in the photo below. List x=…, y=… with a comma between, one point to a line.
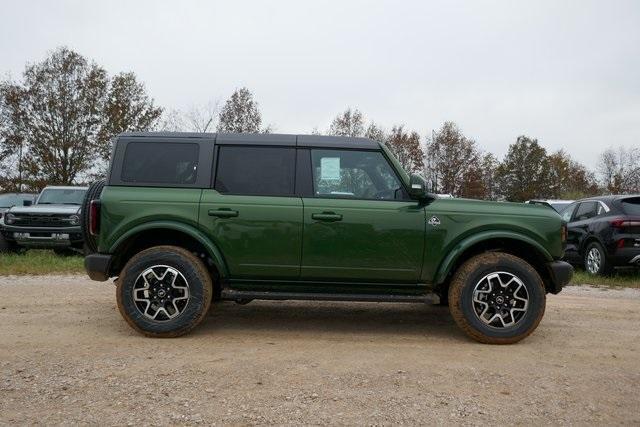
x=569, y=179
x=351, y=122
x=61, y=116
x=405, y=145
x=620, y=170
x=524, y=172
x=241, y=114
x=453, y=163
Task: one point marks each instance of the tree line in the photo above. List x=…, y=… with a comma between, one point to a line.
x=56, y=124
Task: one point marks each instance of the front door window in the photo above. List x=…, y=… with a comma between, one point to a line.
x=351, y=174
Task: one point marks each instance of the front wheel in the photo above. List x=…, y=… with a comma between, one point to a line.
x=164, y=291
x=497, y=298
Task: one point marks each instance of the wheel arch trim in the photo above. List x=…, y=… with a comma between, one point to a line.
x=213, y=251
x=592, y=237
x=454, y=254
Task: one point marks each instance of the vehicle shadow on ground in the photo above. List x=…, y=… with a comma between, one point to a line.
x=408, y=320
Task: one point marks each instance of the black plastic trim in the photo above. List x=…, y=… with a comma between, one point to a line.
x=98, y=266
x=231, y=294
x=560, y=273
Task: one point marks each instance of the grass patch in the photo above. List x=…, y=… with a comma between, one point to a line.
x=629, y=278
x=38, y=262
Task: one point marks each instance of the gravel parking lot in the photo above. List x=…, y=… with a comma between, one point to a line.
x=66, y=356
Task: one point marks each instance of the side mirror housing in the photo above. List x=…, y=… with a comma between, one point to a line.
x=27, y=203
x=417, y=188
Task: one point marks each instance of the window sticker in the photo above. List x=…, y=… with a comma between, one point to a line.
x=330, y=168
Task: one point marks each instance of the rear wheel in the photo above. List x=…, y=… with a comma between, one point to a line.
x=497, y=298
x=595, y=260
x=164, y=291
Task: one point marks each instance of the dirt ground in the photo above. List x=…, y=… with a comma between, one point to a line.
x=66, y=356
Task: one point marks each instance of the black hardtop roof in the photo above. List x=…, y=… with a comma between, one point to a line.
x=320, y=141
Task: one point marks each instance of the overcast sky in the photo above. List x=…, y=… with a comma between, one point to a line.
x=565, y=72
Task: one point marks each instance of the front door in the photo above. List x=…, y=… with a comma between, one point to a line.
x=360, y=225
x=252, y=213
x=578, y=229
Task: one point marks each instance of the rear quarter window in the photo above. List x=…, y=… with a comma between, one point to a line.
x=160, y=163
x=631, y=206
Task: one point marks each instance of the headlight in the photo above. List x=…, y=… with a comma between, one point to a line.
x=9, y=218
x=74, y=219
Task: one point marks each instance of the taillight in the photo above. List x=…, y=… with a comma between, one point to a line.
x=94, y=217
x=563, y=233
x=625, y=222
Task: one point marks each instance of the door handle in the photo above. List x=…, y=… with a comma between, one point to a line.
x=223, y=213
x=326, y=216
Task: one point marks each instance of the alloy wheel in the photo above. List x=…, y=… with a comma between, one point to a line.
x=500, y=299
x=161, y=293
x=594, y=261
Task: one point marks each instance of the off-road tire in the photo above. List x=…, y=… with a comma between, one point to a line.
x=605, y=267
x=199, y=284
x=471, y=273
x=93, y=193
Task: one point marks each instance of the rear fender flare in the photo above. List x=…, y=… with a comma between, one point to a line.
x=213, y=251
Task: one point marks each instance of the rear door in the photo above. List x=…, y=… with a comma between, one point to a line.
x=571, y=250
x=359, y=224
x=252, y=213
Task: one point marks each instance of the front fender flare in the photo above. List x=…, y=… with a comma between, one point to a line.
x=213, y=251
x=452, y=257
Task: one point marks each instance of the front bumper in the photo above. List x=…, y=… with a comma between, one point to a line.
x=43, y=237
x=560, y=274
x=98, y=266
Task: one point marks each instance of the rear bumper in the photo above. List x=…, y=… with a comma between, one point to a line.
x=560, y=274
x=626, y=257
x=98, y=266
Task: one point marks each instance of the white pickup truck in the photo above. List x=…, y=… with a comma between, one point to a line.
x=52, y=222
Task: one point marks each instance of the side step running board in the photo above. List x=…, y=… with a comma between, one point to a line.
x=234, y=295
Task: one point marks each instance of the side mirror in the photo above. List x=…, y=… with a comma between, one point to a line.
x=417, y=187
x=27, y=203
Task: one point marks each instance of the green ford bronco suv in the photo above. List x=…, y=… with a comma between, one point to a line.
x=186, y=219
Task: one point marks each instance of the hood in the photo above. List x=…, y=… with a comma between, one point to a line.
x=46, y=209
x=495, y=208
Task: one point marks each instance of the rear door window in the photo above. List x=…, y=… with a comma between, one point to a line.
x=586, y=210
x=252, y=170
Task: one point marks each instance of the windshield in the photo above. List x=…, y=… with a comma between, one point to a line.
x=9, y=200
x=61, y=196
x=559, y=206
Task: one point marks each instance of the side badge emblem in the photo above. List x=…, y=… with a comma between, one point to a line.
x=434, y=221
